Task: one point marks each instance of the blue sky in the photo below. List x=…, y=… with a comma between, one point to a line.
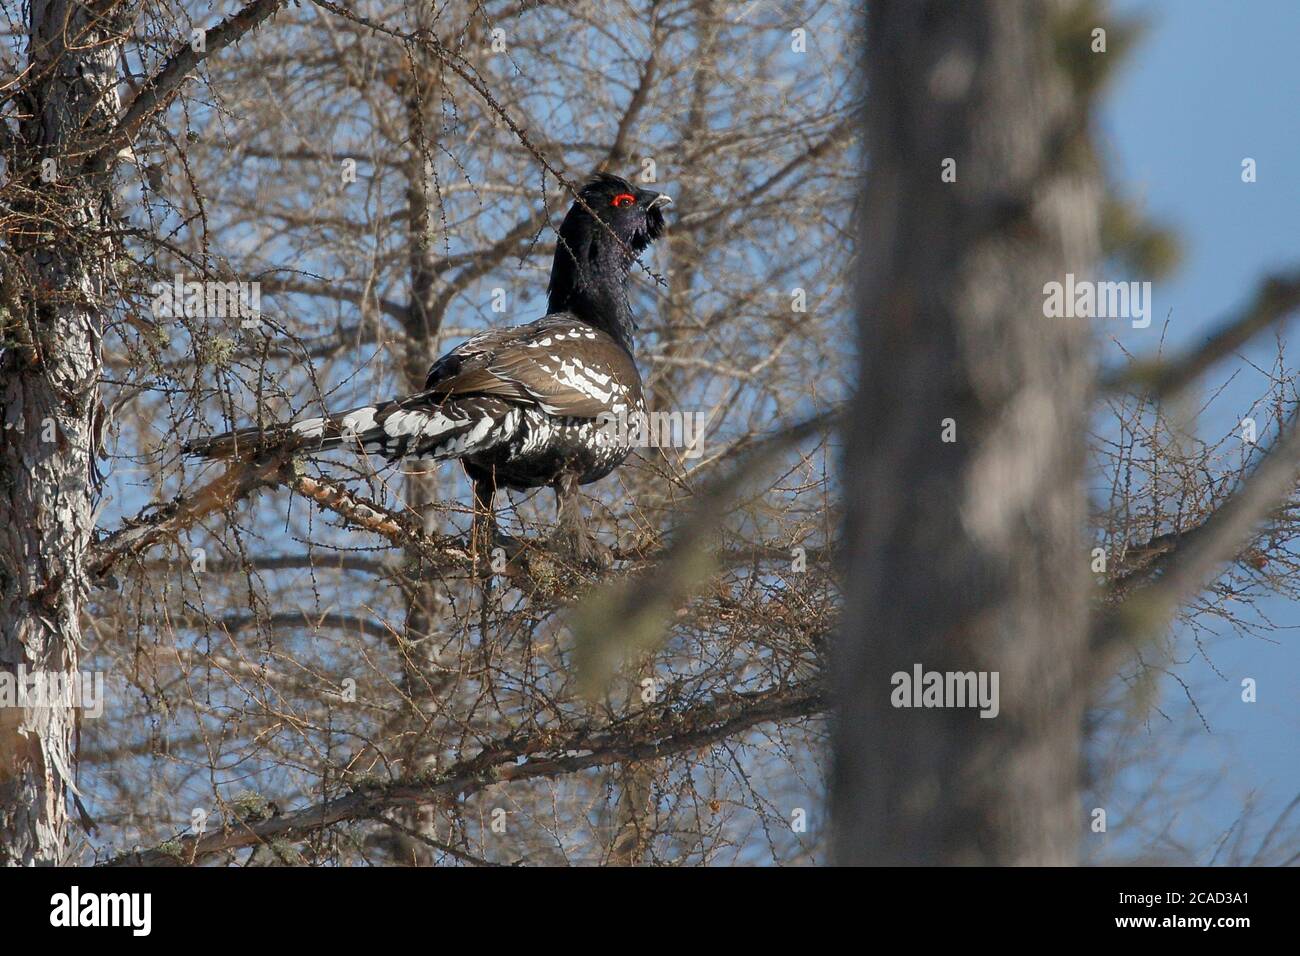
x=1210, y=84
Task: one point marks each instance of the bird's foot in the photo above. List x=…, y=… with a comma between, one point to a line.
x=583, y=549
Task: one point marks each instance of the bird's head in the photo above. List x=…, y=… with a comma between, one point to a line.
x=603, y=232
x=634, y=215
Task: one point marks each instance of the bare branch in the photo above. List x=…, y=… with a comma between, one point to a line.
x=1276, y=298
x=660, y=736
x=155, y=522
x=158, y=89
x=1201, y=552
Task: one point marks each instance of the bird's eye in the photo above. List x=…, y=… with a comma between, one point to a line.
x=622, y=199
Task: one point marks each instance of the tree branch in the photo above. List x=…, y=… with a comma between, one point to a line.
x=647, y=738
x=440, y=553
x=632, y=615
x=333, y=290
x=1275, y=298
x=158, y=89
x=1186, y=566
x=155, y=522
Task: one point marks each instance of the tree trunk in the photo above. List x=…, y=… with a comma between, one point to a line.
x=425, y=681
x=967, y=555
x=49, y=376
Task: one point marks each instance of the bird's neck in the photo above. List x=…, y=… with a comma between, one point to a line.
x=590, y=281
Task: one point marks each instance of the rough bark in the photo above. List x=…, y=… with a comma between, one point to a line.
x=967, y=555
x=56, y=266
x=49, y=385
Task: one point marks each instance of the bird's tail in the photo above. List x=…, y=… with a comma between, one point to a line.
x=306, y=434
x=415, y=425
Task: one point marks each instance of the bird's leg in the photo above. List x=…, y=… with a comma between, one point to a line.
x=485, y=536
x=481, y=534
x=571, y=532
x=484, y=527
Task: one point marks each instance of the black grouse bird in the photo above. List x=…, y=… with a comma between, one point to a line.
x=522, y=407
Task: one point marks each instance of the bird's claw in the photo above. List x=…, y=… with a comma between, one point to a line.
x=584, y=549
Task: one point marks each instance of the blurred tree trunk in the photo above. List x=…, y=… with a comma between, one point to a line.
x=967, y=555
x=54, y=273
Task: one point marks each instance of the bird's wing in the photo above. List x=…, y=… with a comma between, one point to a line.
x=473, y=353
x=559, y=364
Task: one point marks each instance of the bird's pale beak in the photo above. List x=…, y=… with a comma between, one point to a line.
x=661, y=199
